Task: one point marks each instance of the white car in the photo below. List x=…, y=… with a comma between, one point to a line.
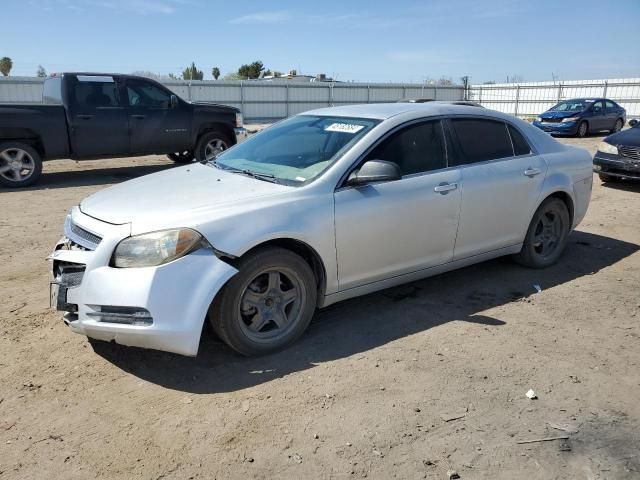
x=323, y=206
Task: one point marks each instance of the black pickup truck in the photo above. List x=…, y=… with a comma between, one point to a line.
x=89, y=115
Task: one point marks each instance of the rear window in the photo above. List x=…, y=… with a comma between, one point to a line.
x=481, y=140
x=52, y=91
x=95, y=92
x=520, y=145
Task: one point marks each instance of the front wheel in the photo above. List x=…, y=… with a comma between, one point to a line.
x=546, y=236
x=20, y=164
x=267, y=305
x=211, y=144
x=583, y=129
x=181, y=157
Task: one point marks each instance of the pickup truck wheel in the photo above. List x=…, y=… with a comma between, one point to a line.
x=181, y=157
x=211, y=144
x=546, y=236
x=20, y=164
x=267, y=305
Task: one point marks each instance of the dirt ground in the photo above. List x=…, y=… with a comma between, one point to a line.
x=407, y=383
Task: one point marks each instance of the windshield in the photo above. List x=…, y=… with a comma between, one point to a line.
x=572, y=106
x=295, y=150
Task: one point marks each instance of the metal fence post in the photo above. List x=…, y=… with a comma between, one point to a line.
x=189, y=90
x=435, y=92
x=515, y=113
x=559, y=92
x=242, y=98
x=368, y=93
x=287, y=101
x=606, y=86
x=331, y=94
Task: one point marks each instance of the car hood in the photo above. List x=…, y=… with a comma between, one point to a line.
x=559, y=114
x=172, y=197
x=215, y=106
x=630, y=136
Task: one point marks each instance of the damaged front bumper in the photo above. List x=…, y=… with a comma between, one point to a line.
x=161, y=307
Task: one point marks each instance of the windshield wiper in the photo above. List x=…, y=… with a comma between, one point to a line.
x=267, y=177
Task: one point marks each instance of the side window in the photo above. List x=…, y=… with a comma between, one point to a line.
x=481, y=140
x=416, y=149
x=520, y=145
x=145, y=94
x=96, y=92
x=598, y=107
x=611, y=105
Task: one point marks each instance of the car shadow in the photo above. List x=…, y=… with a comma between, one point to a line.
x=362, y=324
x=624, y=185
x=96, y=176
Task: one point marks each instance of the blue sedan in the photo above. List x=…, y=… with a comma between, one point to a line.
x=579, y=116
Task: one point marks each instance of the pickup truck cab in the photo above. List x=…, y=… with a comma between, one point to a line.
x=88, y=115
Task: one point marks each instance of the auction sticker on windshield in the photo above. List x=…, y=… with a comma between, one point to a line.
x=344, y=128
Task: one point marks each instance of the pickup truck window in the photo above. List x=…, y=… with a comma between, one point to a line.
x=96, y=94
x=52, y=91
x=144, y=94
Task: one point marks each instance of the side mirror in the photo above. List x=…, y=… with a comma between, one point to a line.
x=375, y=171
x=174, y=101
x=633, y=122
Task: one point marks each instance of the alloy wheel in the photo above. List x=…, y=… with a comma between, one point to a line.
x=548, y=233
x=214, y=148
x=16, y=165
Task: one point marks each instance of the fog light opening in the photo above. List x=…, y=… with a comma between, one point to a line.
x=135, y=316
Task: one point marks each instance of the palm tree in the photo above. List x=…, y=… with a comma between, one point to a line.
x=215, y=71
x=6, y=64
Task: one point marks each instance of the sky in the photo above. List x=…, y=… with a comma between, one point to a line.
x=368, y=41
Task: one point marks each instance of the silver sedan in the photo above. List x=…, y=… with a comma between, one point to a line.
x=321, y=207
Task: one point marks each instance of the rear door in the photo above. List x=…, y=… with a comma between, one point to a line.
x=613, y=113
x=156, y=126
x=502, y=182
x=392, y=228
x=598, y=120
x=97, y=116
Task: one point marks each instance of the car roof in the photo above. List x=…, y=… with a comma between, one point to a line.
x=383, y=111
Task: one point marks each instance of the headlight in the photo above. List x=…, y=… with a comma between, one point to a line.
x=539, y=119
x=239, y=120
x=156, y=248
x=570, y=119
x=605, y=147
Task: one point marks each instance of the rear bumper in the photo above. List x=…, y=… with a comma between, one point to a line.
x=616, y=166
x=241, y=134
x=558, y=128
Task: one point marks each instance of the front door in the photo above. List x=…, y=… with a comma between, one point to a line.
x=97, y=117
x=502, y=180
x=155, y=125
x=392, y=228
x=598, y=119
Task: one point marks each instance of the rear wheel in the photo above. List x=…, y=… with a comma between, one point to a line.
x=546, y=236
x=211, y=144
x=618, y=126
x=20, y=164
x=181, y=157
x=583, y=129
x=267, y=305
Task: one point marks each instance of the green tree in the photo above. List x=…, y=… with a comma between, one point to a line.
x=41, y=71
x=251, y=70
x=6, y=64
x=232, y=76
x=215, y=72
x=192, y=73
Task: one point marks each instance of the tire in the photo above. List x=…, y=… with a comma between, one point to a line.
x=546, y=236
x=211, y=144
x=617, y=126
x=608, y=178
x=181, y=157
x=267, y=305
x=20, y=164
x=583, y=129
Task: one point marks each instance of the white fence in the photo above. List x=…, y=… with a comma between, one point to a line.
x=531, y=99
x=262, y=101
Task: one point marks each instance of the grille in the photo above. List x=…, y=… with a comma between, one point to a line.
x=80, y=236
x=629, y=151
x=552, y=120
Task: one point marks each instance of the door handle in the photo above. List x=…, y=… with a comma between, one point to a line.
x=532, y=172
x=138, y=117
x=443, y=188
x=85, y=116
